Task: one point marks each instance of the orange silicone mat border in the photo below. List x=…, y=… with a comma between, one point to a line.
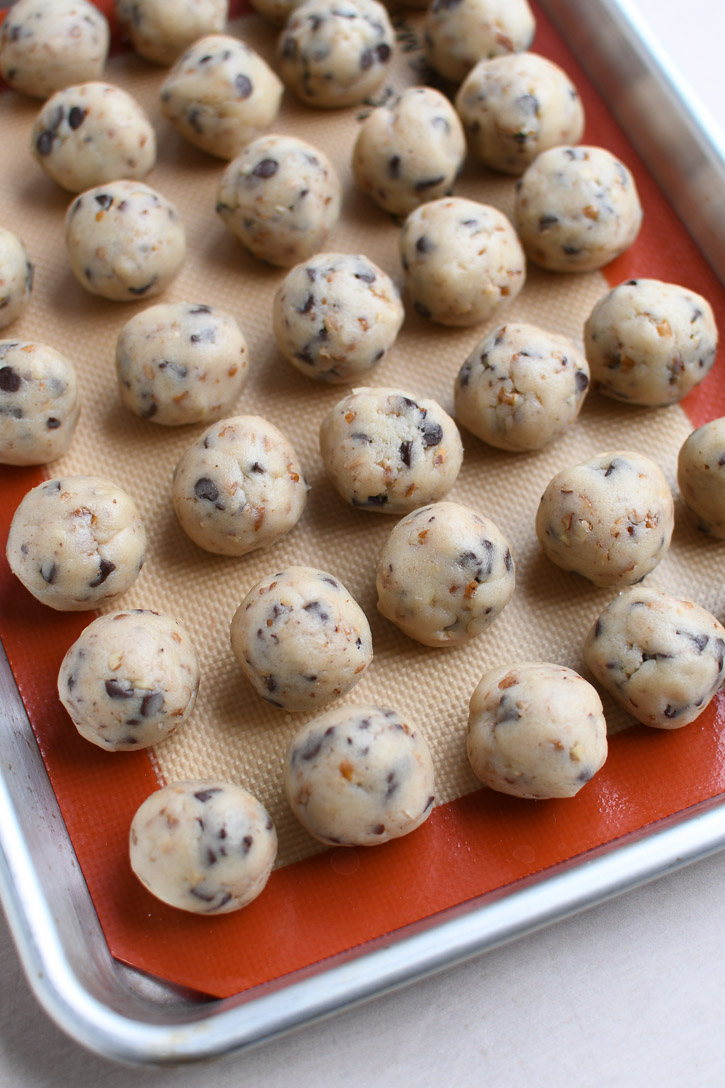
x=328, y=904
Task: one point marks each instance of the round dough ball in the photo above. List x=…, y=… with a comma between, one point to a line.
x=76, y=542
x=521, y=387
x=203, y=846
x=661, y=658
x=280, y=197
x=39, y=403
x=93, y=133
x=130, y=680
x=650, y=342
x=275, y=11
x=336, y=315
x=388, y=453
x=160, y=31
x=125, y=241
x=220, y=95
x=49, y=44
x=301, y=639
x=577, y=208
x=459, y=33
x=444, y=574
x=462, y=260
x=239, y=487
x=181, y=362
x=409, y=150
x=701, y=475
x=535, y=730
x=515, y=106
x=609, y=519
x=16, y=278
x=358, y=776
x=335, y=53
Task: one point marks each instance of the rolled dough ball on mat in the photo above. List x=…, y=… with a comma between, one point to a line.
x=39, y=403
x=160, y=30
x=701, y=475
x=49, y=44
x=16, y=277
x=458, y=33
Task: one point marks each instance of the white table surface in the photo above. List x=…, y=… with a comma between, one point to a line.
x=629, y=993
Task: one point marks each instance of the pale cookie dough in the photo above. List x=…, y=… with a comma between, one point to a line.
x=160, y=30
x=336, y=315
x=204, y=846
x=301, y=639
x=609, y=519
x=181, y=362
x=39, y=403
x=459, y=33
x=220, y=95
x=76, y=542
x=462, y=261
x=49, y=44
x=701, y=476
x=444, y=574
x=16, y=278
x=335, y=53
x=521, y=387
x=409, y=150
x=515, y=106
x=650, y=342
x=239, y=487
x=535, y=730
x=358, y=776
x=577, y=208
x=130, y=680
x=275, y=11
x=280, y=197
x=124, y=241
x=93, y=133
x=386, y=452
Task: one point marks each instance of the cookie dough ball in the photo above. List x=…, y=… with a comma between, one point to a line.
x=459, y=33
x=301, y=639
x=124, y=240
x=462, y=261
x=239, y=487
x=221, y=95
x=181, y=362
x=336, y=315
x=280, y=197
x=650, y=342
x=577, y=208
x=130, y=680
x=444, y=574
x=386, y=452
x=39, y=403
x=49, y=44
x=359, y=775
x=409, y=151
x=203, y=846
x=515, y=106
x=16, y=278
x=609, y=519
x=160, y=31
x=535, y=730
x=76, y=542
x=91, y=134
x=275, y=11
x=521, y=387
x=335, y=53
x=701, y=476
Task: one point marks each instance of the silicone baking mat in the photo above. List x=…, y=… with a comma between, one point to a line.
x=321, y=903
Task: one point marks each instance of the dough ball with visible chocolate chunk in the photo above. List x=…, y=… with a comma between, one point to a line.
x=662, y=658
x=203, y=846
x=16, y=277
x=535, y=730
x=701, y=475
x=336, y=315
x=388, y=453
x=49, y=44
x=76, y=542
x=301, y=639
x=39, y=403
x=359, y=776
x=459, y=33
x=280, y=197
x=609, y=518
x=129, y=680
x=160, y=30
